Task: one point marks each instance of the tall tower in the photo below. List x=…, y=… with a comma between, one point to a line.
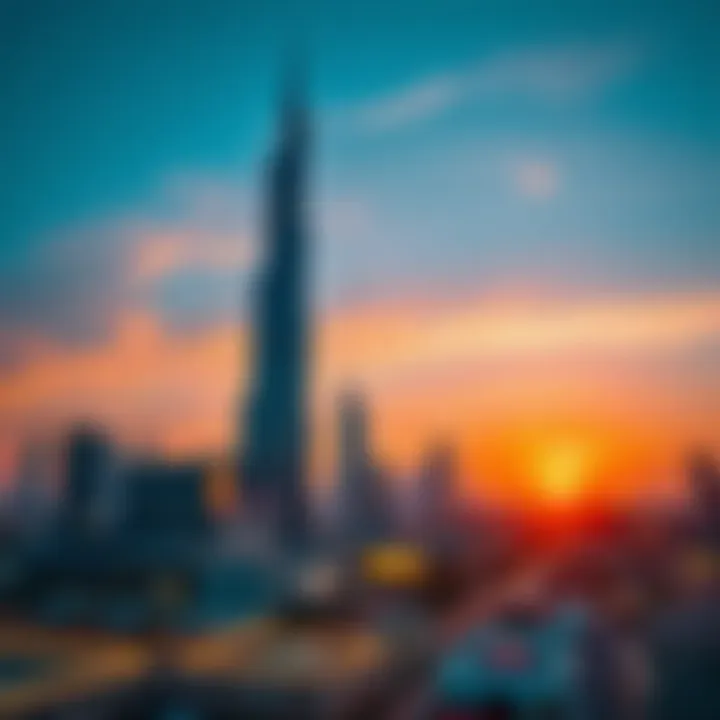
x=365, y=508
x=273, y=457
x=88, y=465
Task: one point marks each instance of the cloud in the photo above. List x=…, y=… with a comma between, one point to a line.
x=536, y=179
x=76, y=285
x=185, y=260
x=419, y=101
x=384, y=343
x=427, y=367
x=159, y=254
x=545, y=73
x=144, y=371
x=76, y=288
x=142, y=382
x=69, y=289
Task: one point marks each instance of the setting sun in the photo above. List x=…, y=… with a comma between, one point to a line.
x=563, y=469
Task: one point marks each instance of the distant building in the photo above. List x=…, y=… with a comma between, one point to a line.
x=273, y=456
x=685, y=652
x=436, y=487
x=167, y=509
x=704, y=476
x=88, y=472
x=162, y=563
x=365, y=509
x=30, y=502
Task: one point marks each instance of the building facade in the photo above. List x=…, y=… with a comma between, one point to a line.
x=365, y=508
x=273, y=453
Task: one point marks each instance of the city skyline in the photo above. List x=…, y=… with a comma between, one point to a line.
x=515, y=229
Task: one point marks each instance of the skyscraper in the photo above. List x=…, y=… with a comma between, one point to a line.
x=353, y=462
x=273, y=457
x=365, y=507
x=435, y=492
x=704, y=477
x=88, y=461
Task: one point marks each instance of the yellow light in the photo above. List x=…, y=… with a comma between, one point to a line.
x=394, y=565
x=221, y=493
x=563, y=469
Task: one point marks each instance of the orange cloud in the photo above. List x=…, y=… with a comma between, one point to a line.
x=163, y=253
x=145, y=383
x=384, y=339
x=496, y=378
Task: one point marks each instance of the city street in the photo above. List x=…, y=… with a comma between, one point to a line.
x=616, y=665
x=474, y=611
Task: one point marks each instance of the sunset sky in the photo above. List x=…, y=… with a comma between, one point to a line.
x=515, y=224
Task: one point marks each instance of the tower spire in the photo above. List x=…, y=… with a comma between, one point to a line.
x=293, y=105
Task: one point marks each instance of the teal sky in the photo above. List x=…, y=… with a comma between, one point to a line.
x=461, y=146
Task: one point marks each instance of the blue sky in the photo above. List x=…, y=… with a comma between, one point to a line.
x=435, y=126
x=461, y=148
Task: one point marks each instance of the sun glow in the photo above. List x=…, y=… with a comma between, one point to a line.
x=563, y=469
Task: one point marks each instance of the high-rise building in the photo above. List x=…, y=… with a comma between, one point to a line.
x=704, y=476
x=30, y=505
x=166, y=505
x=353, y=451
x=435, y=493
x=364, y=505
x=88, y=470
x=273, y=456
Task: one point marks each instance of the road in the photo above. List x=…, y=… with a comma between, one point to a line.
x=243, y=652
x=63, y=666
x=615, y=666
x=67, y=665
x=479, y=607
